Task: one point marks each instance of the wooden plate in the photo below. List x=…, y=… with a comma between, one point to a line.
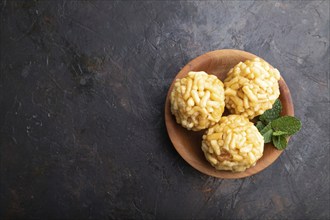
x=188, y=143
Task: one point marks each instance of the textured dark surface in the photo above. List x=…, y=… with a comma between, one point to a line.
x=82, y=91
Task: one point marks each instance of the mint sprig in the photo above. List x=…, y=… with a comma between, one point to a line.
x=275, y=128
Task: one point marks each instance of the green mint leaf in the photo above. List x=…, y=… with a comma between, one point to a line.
x=279, y=133
x=280, y=142
x=267, y=133
x=273, y=113
x=260, y=125
x=288, y=124
x=268, y=136
x=265, y=129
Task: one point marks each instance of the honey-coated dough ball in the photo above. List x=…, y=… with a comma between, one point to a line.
x=197, y=100
x=251, y=88
x=233, y=144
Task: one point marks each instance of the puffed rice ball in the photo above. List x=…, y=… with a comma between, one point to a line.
x=251, y=88
x=234, y=144
x=197, y=100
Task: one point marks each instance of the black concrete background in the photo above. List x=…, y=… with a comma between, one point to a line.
x=82, y=91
